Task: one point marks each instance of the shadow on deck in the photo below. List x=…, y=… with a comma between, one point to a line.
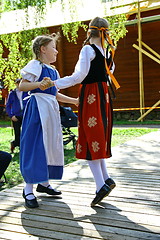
x=131, y=211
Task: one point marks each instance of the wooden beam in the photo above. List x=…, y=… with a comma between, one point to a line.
x=125, y=8
x=150, y=49
x=146, y=113
x=143, y=20
x=146, y=53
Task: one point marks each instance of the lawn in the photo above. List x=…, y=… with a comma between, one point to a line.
x=120, y=135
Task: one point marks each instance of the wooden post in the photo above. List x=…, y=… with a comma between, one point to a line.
x=141, y=84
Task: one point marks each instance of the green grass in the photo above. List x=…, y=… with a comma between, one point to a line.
x=118, y=122
x=139, y=123
x=120, y=135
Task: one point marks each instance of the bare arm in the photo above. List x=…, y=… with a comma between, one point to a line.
x=63, y=98
x=26, y=85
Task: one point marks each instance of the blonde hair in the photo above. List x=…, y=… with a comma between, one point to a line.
x=98, y=23
x=42, y=40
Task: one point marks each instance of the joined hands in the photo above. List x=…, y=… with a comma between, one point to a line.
x=46, y=83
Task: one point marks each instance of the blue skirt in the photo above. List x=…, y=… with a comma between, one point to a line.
x=33, y=161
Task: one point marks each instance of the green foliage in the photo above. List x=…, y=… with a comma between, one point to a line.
x=9, y=5
x=18, y=46
x=70, y=11
x=117, y=27
x=70, y=30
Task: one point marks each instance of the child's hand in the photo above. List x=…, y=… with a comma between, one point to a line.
x=46, y=83
x=77, y=102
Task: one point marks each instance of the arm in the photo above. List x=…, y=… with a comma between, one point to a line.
x=30, y=74
x=26, y=85
x=8, y=105
x=65, y=99
x=87, y=54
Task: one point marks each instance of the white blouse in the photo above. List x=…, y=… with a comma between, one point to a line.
x=82, y=67
x=32, y=71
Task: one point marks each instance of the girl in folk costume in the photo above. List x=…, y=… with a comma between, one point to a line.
x=41, y=153
x=94, y=71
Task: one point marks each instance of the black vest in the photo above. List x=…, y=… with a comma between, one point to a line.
x=97, y=71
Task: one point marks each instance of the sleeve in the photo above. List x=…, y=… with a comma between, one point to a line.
x=82, y=67
x=9, y=105
x=58, y=76
x=32, y=71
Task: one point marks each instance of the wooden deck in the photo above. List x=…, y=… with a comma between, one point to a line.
x=130, y=212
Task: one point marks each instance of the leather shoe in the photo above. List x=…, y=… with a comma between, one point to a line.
x=30, y=203
x=111, y=183
x=50, y=191
x=103, y=192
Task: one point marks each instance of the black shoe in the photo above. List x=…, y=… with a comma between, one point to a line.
x=110, y=183
x=30, y=203
x=47, y=190
x=103, y=192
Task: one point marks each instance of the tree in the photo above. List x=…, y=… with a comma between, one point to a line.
x=18, y=46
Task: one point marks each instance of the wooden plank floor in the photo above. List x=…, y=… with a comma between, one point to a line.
x=130, y=212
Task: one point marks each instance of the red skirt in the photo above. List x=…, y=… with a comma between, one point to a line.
x=94, y=122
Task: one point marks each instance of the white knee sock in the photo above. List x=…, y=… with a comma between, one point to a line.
x=29, y=189
x=104, y=169
x=95, y=166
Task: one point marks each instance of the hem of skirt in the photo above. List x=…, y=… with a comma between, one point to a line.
x=54, y=172
x=94, y=158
